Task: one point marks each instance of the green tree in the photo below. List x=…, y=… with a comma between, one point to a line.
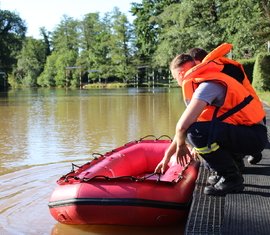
x=12, y=33
x=66, y=35
x=208, y=23
x=240, y=24
x=262, y=31
x=173, y=38
x=115, y=48
x=64, y=77
x=47, y=77
x=121, y=46
x=147, y=29
x=185, y=25
x=30, y=62
x=95, y=35
x=46, y=40
x=65, y=44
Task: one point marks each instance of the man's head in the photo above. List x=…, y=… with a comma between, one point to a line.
x=198, y=54
x=180, y=65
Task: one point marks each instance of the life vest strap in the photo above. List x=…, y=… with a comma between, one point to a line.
x=222, y=117
x=236, y=108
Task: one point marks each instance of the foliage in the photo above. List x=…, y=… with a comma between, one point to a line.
x=261, y=74
x=109, y=48
x=147, y=27
x=65, y=46
x=12, y=33
x=206, y=24
x=46, y=79
x=95, y=48
x=239, y=22
x=105, y=85
x=265, y=96
x=120, y=48
x=30, y=62
x=46, y=40
x=95, y=35
x=248, y=65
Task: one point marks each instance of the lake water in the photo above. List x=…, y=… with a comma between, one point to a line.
x=43, y=131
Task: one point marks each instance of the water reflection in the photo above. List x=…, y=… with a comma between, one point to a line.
x=44, y=130
x=46, y=126
x=61, y=229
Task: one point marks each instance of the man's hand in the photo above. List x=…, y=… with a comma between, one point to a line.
x=161, y=167
x=183, y=154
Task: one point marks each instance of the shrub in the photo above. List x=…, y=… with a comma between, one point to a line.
x=261, y=72
x=248, y=65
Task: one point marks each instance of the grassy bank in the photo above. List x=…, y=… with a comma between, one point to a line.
x=265, y=96
x=104, y=85
x=123, y=85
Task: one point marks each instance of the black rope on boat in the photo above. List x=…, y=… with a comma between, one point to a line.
x=180, y=175
x=95, y=177
x=150, y=175
x=159, y=176
x=68, y=177
x=162, y=136
x=131, y=142
x=73, y=167
x=153, y=136
x=132, y=178
x=147, y=136
x=98, y=154
x=146, y=177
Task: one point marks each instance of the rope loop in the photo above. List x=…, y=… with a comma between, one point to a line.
x=148, y=136
x=73, y=166
x=98, y=155
x=166, y=136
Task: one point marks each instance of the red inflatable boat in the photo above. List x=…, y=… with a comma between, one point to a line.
x=120, y=187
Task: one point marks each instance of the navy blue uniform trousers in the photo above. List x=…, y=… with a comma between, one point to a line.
x=232, y=140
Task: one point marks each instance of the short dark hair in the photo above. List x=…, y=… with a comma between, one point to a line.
x=198, y=53
x=180, y=60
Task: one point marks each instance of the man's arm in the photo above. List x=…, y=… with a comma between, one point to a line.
x=190, y=115
x=178, y=146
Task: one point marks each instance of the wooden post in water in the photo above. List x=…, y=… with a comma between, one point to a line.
x=3, y=80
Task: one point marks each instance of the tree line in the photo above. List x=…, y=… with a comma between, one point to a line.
x=110, y=48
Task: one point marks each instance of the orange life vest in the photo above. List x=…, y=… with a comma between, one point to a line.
x=241, y=105
x=221, y=50
x=239, y=108
x=222, y=63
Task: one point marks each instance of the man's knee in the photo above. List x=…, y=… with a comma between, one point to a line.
x=198, y=133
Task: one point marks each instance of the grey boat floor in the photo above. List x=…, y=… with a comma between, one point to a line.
x=245, y=213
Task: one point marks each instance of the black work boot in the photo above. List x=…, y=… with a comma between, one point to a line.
x=213, y=178
x=222, y=161
x=228, y=183
x=239, y=161
x=254, y=159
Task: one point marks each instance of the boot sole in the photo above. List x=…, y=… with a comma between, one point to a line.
x=216, y=192
x=213, y=182
x=254, y=159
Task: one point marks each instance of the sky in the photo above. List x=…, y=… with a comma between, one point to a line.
x=48, y=13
